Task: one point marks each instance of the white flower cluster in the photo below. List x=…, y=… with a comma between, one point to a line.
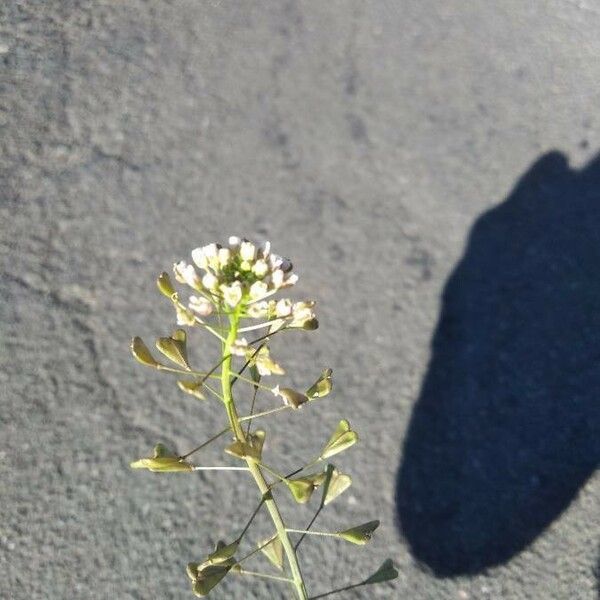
x=241, y=276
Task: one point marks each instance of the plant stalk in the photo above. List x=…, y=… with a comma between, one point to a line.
x=234, y=420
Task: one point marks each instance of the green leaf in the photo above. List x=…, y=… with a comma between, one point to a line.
x=321, y=387
x=360, y=534
x=336, y=484
x=162, y=461
x=175, y=348
x=292, y=397
x=194, y=388
x=142, y=354
x=386, y=572
x=342, y=438
x=165, y=286
x=273, y=551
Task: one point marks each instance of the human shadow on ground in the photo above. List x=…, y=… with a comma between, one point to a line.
x=506, y=429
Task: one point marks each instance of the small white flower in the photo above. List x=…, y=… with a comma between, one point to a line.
x=199, y=258
x=185, y=273
x=210, y=282
x=283, y=308
x=239, y=347
x=185, y=316
x=265, y=365
x=258, y=289
x=232, y=294
x=258, y=310
x=275, y=261
x=290, y=280
x=275, y=390
x=210, y=250
x=200, y=305
x=224, y=256
x=277, y=278
x=247, y=251
x=302, y=312
x=260, y=268
x=264, y=249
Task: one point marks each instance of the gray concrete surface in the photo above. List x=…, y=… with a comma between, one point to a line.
x=365, y=139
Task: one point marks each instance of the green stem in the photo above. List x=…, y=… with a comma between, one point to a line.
x=306, y=532
x=226, y=382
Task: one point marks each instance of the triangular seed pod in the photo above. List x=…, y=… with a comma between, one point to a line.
x=142, y=354
x=165, y=464
x=251, y=449
x=301, y=489
x=342, y=438
x=222, y=553
x=175, y=348
x=360, y=534
x=194, y=388
x=165, y=286
x=162, y=461
x=208, y=578
x=273, y=551
x=338, y=484
x=321, y=387
x=292, y=397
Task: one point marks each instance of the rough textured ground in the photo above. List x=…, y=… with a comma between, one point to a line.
x=370, y=142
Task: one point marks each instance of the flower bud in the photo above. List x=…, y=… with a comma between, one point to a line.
x=264, y=249
x=247, y=251
x=234, y=242
x=200, y=305
x=210, y=282
x=277, y=278
x=260, y=268
x=185, y=273
x=290, y=280
x=200, y=258
x=224, y=256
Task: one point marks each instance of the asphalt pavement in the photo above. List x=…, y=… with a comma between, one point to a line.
x=429, y=166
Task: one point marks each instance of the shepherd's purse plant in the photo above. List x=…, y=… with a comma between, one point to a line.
x=233, y=300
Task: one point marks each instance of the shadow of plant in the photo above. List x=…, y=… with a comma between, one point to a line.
x=507, y=426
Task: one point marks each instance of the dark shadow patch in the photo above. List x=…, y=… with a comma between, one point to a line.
x=507, y=426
